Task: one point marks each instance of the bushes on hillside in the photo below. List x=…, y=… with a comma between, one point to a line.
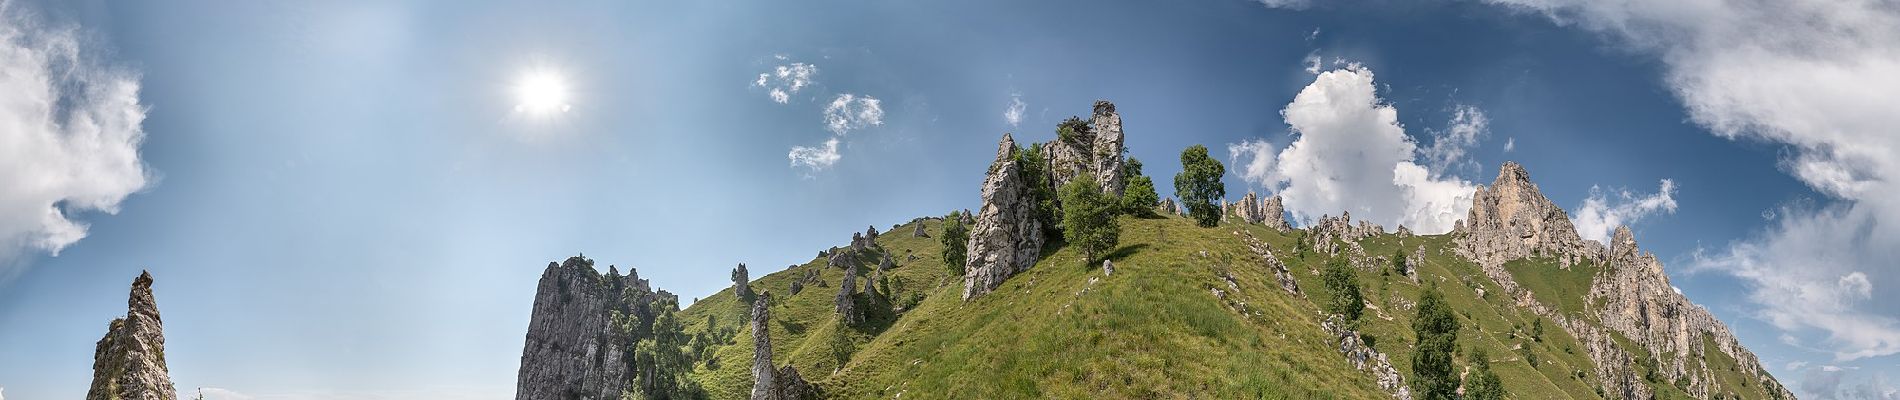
x=1198, y=185
x=1437, y=332
x=1088, y=218
x=1344, y=286
x=956, y=241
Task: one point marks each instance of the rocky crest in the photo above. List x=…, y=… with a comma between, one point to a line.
x=1094, y=150
x=1512, y=220
x=581, y=328
x=1365, y=358
x=1006, y=237
x=129, y=362
x=741, y=283
x=847, y=306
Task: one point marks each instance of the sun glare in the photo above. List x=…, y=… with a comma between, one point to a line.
x=541, y=93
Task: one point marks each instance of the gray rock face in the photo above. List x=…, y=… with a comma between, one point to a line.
x=846, y=306
x=1273, y=264
x=1249, y=209
x=1094, y=153
x=769, y=383
x=741, y=284
x=1512, y=220
x=1006, y=237
x=129, y=362
x=1273, y=214
x=1107, y=126
x=918, y=231
x=1329, y=233
x=1167, y=206
x=573, y=350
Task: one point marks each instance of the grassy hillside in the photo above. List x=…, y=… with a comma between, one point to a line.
x=1155, y=328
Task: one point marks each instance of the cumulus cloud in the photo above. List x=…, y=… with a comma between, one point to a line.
x=1450, y=148
x=1820, y=76
x=70, y=130
x=815, y=158
x=1351, y=155
x=1601, y=213
x=786, y=80
x=850, y=112
x=1252, y=160
x=1014, y=114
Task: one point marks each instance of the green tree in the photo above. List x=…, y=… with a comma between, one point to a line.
x=1088, y=218
x=1042, y=191
x=956, y=242
x=1198, y=185
x=1482, y=383
x=661, y=361
x=1437, y=332
x=1138, y=196
x=1344, y=286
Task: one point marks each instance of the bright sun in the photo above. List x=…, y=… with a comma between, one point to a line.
x=541, y=93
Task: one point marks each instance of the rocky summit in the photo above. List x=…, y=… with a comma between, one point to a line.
x=129, y=362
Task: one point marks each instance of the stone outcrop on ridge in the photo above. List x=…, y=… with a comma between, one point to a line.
x=129, y=362
x=574, y=348
x=1006, y=237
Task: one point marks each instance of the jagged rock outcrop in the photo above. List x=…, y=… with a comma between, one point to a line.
x=1249, y=209
x=844, y=303
x=741, y=284
x=1273, y=214
x=1329, y=233
x=769, y=383
x=1511, y=220
x=129, y=362
x=1280, y=271
x=581, y=329
x=1365, y=358
x=1006, y=237
x=1168, y=207
x=1093, y=150
x=918, y=231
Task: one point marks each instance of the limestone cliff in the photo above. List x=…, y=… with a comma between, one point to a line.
x=584, y=329
x=129, y=362
x=1006, y=237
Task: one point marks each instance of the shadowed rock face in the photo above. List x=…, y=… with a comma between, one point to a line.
x=129, y=362
x=1006, y=237
x=574, y=350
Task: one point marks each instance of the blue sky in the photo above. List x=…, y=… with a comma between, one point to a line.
x=344, y=200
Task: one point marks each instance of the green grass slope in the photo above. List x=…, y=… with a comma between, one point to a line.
x=1154, y=329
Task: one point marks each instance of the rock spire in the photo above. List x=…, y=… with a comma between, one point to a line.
x=1006, y=237
x=129, y=362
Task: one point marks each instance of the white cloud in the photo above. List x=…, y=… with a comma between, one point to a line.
x=850, y=112
x=70, y=130
x=815, y=158
x=1252, y=160
x=1352, y=155
x=1287, y=4
x=1510, y=144
x=1820, y=76
x=1312, y=61
x=786, y=80
x=1601, y=214
x=1450, y=148
x=1014, y=114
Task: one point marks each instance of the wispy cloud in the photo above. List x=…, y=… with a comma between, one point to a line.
x=1604, y=210
x=817, y=158
x=1450, y=150
x=1824, y=84
x=70, y=130
x=1014, y=113
x=786, y=80
x=1510, y=144
x=849, y=112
